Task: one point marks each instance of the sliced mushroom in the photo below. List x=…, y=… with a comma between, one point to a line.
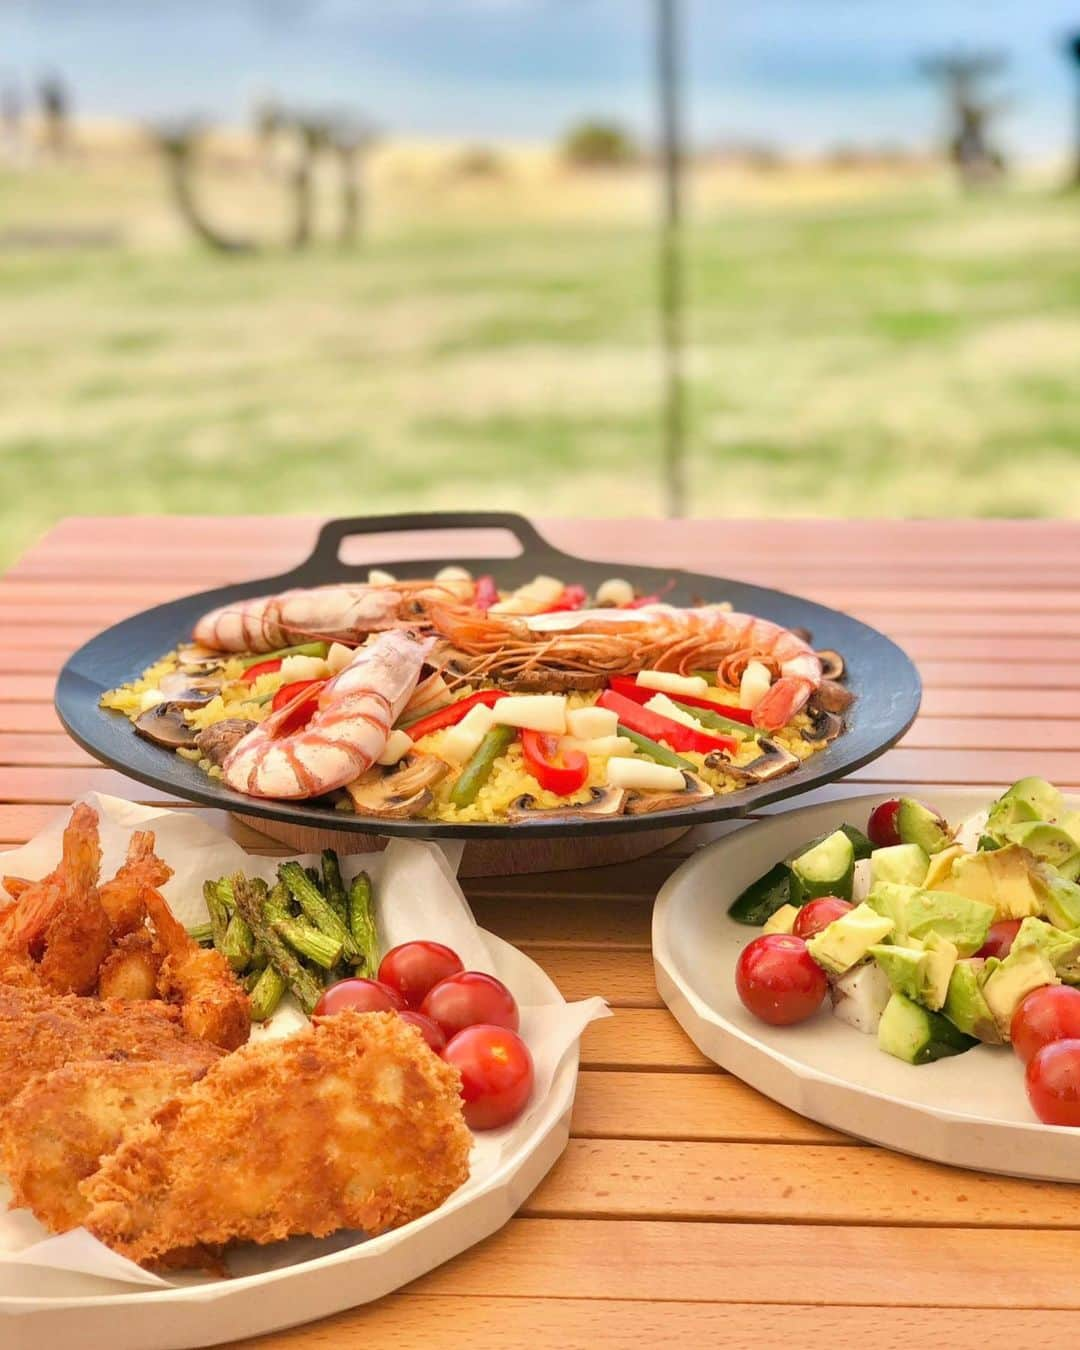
x=832, y=697
x=216, y=741
x=832, y=665
x=188, y=691
x=773, y=761
x=696, y=790
x=602, y=801
x=397, y=791
x=824, y=726
x=164, y=725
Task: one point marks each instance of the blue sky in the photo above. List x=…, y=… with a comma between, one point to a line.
x=805, y=73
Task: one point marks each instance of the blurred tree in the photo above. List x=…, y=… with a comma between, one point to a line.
x=1073, y=48
x=178, y=143
x=55, y=113
x=599, y=144
x=969, y=146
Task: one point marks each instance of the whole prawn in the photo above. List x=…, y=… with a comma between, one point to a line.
x=347, y=732
x=657, y=637
x=342, y=612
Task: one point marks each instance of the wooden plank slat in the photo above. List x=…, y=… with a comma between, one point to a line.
x=639, y=1038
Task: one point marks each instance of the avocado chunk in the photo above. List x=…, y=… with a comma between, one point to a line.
x=847, y=940
x=1007, y=878
x=965, y=1006
x=907, y=864
x=1028, y=799
x=916, y=913
x=1010, y=982
x=940, y=869
x=1063, y=949
x=826, y=868
x=1049, y=843
x=783, y=921
x=920, y=973
x=918, y=1036
x=859, y=997
x=917, y=824
x=1060, y=899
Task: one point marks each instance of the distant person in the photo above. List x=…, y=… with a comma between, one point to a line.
x=55, y=114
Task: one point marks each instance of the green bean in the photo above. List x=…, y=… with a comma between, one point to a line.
x=203, y=934
x=324, y=951
x=320, y=649
x=267, y=993
x=302, y=982
x=362, y=924
x=238, y=945
x=333, y=886
x=315, y=908
x=716, y=721
x=478, y=770
x=656, y=751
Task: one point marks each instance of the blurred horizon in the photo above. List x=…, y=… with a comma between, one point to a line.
x=800, y=75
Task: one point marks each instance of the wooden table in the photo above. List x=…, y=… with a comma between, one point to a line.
x=687, y=1209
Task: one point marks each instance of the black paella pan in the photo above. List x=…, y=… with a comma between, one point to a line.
x=883, y=679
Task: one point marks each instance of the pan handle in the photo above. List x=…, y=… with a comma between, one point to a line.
x=325, y=559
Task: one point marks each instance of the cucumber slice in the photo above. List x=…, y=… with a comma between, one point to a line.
x=827, y=868
x=762, y=898
x=918, y=1036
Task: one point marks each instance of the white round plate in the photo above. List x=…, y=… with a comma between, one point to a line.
x=41, y=1309
x=969, y=1111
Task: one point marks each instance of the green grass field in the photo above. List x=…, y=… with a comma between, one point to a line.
x=904, y=354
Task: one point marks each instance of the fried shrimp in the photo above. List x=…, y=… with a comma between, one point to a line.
x=122, y=897
x=132, y=968
x=351, y=1123
x=212, y=1001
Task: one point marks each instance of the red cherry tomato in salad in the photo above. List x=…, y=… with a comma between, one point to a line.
x=359, y=995
x=881, y=827
x=1045, y=1015
x=415, y=967
x=430, y=1032
x=496, y=1074
x=1000, y=938
x=1052, y=1079
x=470, y=998
x=778, y=979
x=818, y=914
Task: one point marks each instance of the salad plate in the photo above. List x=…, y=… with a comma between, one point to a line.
x=969, y=1110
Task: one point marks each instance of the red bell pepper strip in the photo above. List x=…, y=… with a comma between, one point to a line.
x=629, y=688
x=262, y=668
x=561, y=773
x=305, y=708
x=573, y=597
x=486, y=593
x=453, y=713
x=657, y=728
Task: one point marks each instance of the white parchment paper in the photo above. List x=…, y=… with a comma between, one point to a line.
x=416, y=896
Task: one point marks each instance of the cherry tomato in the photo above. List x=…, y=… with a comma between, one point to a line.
x=1053, y=1083
x=778, y=979
x=360, y=995
x=415, y=967
x=430, y=1032
x=1045, y=1015
x=496, y=1074
x=818, y=914
x=881, y=827
x=469, y=998
x=999, y=939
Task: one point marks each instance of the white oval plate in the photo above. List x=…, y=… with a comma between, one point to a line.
x=969, y=1111
x=46, y=1308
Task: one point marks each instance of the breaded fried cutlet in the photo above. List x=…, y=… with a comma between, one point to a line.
x=55, y=1132
x=40, y=1032
x=351, y=1123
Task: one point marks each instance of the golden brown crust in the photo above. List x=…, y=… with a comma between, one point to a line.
x=351, y=1123
x=55, y=1132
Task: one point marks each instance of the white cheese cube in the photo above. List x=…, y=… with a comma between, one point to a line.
x=589, y=723
x=295, y=668
x=660, y=703
x=460, y=743
x=754, y=685
x=398, y=744
x=478, y=720
x=377, y=577
x=671, y=683
x=615, y=591
x=608, y=746
x=453, y=574
x=537, y=595
x=532, y=712
x=338, y=657
x=644, y=775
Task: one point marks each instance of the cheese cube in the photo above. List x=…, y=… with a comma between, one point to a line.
x=661, y=704
x=670, y=683
x=532, y=712
x=644, y=775
x=754, y=685
x=607, y=746
x=589, y=723
x=398, y=744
